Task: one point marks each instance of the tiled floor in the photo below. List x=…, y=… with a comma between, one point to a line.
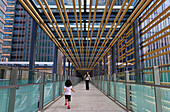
x=86, y=101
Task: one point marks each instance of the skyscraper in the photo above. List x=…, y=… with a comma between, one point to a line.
x=9, y=20
x=3, y=5
x=17, y=39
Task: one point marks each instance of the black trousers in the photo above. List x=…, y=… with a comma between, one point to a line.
x=87, y=84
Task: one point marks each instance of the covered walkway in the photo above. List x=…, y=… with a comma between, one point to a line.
x=86, y=101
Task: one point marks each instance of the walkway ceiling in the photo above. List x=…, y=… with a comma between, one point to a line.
x=84, y=30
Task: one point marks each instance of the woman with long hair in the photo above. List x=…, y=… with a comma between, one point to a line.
x=87, y=79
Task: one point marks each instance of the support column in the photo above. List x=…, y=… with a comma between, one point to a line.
x=157, y=90
x=69, y=69
x=136, y=51
x=54, y=70
x=12, y=93
x=41, y=102
x=126, y=59
x=127, y=86
x=32, y=52
x=64, y=66
x=138, y=78
x=105, y=72
x=114, y=59
x=100, y=68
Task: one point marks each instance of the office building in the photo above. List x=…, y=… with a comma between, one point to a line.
x=3, y=5
x=18, y=30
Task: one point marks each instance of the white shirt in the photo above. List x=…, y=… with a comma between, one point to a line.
x=87, y=78
x=67, y=90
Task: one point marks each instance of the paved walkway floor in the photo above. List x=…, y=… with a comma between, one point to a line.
x=86, y=101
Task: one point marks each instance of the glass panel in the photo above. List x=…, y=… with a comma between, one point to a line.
x=23, y=77
x=120, y=93
x=102, y=85
x=142, y=98
x=5, y=77
x=164, y=75
x=112, y=89
x=57, y=89
x=63, y=85
x=48, y=77
x=105, y=86
x=165, y=97
x=4, y=96
x=27, y=98
x=48, y=93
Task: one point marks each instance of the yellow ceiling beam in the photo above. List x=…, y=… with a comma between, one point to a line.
x=61, y=15
x=135, y=13
x=103, y=17
x=117, y=16
x=75, y=13
x=88, y=31
x=94, y=16
x=79, y=1
x=74, y=48
x=40, y=24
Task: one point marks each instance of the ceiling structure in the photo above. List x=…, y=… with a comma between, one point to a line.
x=84, y=30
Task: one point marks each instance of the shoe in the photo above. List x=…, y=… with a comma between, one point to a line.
x=65, y=103
x=68, y=106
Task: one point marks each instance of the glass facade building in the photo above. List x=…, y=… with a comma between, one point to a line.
x=9, y=20
x=17, y=38
x=3, y=5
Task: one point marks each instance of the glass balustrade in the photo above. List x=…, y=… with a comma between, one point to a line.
x=29, y=91
x=149, y=94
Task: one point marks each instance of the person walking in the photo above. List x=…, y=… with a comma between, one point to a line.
x=67, y=92
x=87, y=79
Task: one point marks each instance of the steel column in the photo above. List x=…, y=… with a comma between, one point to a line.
x=54, y=69
x=127, y=92
x=12, y=93
x=69, y=69
x=138, y=78
x=100, y=68
x=105, y=64
x=136, y=51
x=114, y=59
x=64, y=66
x=32, y=51
x=114, y=75
x=41, y=101
x=157, y=90
x=126, y=59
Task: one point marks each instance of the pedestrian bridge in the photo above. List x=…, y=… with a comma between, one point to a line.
x=124, y=44
x=116, y=92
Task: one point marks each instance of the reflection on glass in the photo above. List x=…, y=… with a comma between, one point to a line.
x=26, y=98
x=48, y=93
x=4, y=96
x=165, y=98
x=120, y=93
x=142, y=98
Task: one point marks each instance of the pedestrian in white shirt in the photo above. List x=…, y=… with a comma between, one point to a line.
x=87, y=79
